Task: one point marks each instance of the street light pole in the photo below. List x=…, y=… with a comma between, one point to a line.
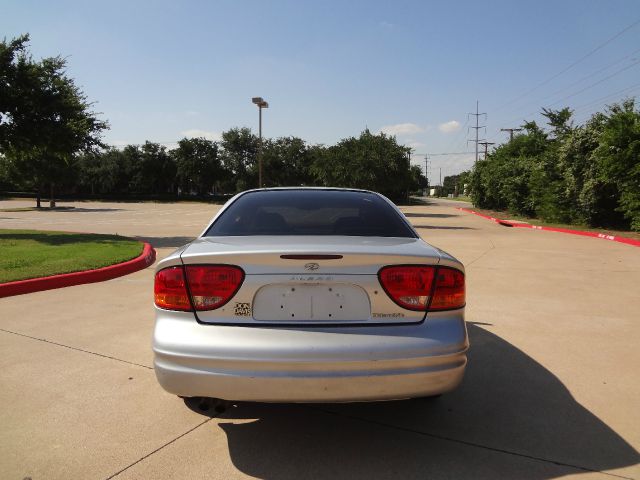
x=259, y=147
x=260, y=103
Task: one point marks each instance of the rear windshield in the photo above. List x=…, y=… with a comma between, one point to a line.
x=310, y=212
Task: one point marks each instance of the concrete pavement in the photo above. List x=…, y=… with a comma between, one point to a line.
x=552, y=386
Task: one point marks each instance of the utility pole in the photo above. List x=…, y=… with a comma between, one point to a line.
x=477, y=127
x=510, y=130
x=426, y=168
x=486, y=147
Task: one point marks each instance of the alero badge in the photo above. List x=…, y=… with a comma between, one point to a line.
x=312, y=267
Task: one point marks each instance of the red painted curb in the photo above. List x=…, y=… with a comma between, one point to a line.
x=613, y=238
x=146, y=258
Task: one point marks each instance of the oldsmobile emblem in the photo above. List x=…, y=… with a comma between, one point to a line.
x=312, y=267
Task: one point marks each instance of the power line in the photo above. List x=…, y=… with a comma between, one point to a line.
x=566, y=69
x=444, y=153
x=455, y=140
x=582, y=113
x=598, y=100
x=590, y=103
x=598, y=82
x=593, y=74
x=577, y=82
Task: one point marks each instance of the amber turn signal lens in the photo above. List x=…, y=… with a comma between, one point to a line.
x=170, y=290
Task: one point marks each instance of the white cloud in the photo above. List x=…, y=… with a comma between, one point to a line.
x=401, y=129
x=449, y=127
x=416, y=145
x=192, y=113
x=195, y=133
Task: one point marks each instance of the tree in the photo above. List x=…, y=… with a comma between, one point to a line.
x=464, y=179
x=99, y=172
x=239, y=155
x=374, y=162
x=618, y=157
x=44, y=119
x=418, y=180
x=559, y=121
x=504, y=180
x=157, y=169
x=586, y=174
x=198, y=165
x=585, y=195
x=454, y=184
x=286, y=162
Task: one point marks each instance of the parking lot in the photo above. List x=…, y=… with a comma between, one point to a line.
x=552, y=387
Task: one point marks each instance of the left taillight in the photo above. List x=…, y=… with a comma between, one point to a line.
x=203, y=287
x=211, y=286
x=170, y=289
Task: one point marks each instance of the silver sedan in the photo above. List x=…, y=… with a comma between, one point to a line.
x=309, y=295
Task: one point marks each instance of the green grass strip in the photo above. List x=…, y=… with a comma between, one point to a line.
x=32, y=253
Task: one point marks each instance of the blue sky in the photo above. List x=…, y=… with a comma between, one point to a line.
x=162, y=70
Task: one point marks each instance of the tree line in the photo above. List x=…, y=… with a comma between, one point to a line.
x=587, y=174
x=50, y=143
x=199, y=167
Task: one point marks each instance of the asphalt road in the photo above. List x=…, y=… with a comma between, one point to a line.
x=552, y=387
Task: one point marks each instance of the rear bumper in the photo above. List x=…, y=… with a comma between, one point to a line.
x=288, y=364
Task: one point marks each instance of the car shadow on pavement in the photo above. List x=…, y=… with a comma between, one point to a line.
x=442, y=227
x=60, y=238
x=429, y=215
x=166, y=242
x=82, y=210
x=510, y=418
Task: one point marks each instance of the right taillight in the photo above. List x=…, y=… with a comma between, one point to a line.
x=418, y=287
x=199, y=287
x=408, y=285
x=449, y=291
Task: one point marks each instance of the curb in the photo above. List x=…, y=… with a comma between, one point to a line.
x=603, y=236
x=20, y=287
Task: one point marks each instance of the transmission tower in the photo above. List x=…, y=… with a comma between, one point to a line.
x=477, y=127
x=427, y=164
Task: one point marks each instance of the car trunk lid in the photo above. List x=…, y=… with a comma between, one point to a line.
x=310, y=280
x=291, y=254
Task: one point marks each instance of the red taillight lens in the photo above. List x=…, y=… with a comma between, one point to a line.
x=170, y=290
x=411, y=286
x=211, y=286
x=408, y=286
x=450, y=291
